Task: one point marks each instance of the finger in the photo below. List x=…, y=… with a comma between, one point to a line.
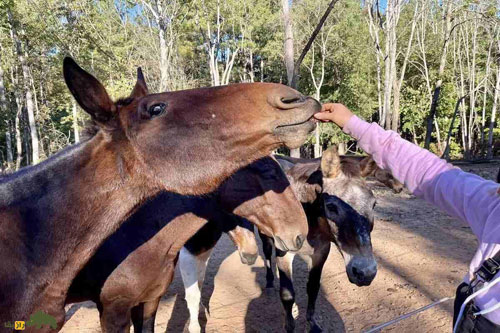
x=323, y=116
x=328, y=107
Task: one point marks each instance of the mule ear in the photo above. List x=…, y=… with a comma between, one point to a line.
x=140, y=89
x=88, y=92
x=367, y=166
x=330, y=163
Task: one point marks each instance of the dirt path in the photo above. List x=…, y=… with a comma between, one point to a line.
x=422, y=256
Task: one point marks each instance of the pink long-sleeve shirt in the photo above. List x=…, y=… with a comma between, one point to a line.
x=463, y=195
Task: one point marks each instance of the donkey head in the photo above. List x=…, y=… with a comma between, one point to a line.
x=370, y=168
x=348, y=206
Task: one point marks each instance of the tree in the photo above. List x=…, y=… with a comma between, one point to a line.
x=293, y=68
x=22, y=54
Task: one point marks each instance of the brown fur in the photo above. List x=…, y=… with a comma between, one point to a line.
x=145, y=273
x=370, y=169
x=53, y=216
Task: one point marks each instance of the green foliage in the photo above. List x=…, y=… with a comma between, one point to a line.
x=112, y=38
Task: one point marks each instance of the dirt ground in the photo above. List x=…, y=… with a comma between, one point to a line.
x=422, y=255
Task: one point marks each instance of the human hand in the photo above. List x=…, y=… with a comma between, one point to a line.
x=335, y=112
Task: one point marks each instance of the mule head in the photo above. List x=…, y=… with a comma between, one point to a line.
x=242, y=235
x=262, y=194
x=189, y=141
x=347, y=204
x=370, y=168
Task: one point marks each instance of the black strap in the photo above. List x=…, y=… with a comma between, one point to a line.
x=489, y=268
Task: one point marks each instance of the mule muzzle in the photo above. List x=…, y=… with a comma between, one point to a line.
x=361, y=272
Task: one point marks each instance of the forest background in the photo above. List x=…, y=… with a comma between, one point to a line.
x=428, y=69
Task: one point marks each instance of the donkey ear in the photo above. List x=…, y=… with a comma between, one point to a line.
x=330, y=163
x=88, y=92
x=367, y=166
x=140, y=89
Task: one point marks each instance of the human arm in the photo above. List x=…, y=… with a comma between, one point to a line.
x=461, y=194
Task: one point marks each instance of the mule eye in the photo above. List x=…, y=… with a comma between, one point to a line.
x=374, y=204
x=332, y=208
x=157, y=109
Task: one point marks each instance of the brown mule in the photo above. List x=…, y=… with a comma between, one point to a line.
x=133, y=268
x=54, y=215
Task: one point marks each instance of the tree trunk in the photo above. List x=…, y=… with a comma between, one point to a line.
x=8, y=141
x=342, y=149
x=439, y=82
x=288, y=45
x=261, y=69
x=19, y=143
x=494, y=112
x=27, y=89
x=446, y=153
x=75, y=122
x=310, y=42
x=31, y=114
x=388, y=84
x=3, y=110
x=398, y=83
x=395, y=106
x=292, y=68
x=288, y=53
x=374, y=33
x=163, y=58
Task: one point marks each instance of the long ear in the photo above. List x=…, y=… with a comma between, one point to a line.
x=88, y=92
x=330, y=163
x=368, y=166
x=140, y=89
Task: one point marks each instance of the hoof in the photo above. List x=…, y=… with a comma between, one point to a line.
x=205, y=310
x=290, y=326
x=194, y=328
x=314, y=327
x=295, y=311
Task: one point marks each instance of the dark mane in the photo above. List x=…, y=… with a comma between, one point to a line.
x=301, y=172
x=124, y=101
x=305, y=171
x=350, y=167
x=89, y=130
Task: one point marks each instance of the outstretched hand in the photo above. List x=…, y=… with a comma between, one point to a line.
x=334, y=112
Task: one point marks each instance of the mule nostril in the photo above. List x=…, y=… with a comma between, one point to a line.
x=291, y=100
x=248, y=258
x=299, y=241
x=357, y=273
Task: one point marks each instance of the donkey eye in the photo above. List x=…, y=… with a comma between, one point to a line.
x=157, y=109
x=374, y=204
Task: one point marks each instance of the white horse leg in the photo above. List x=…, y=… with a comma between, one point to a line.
x=202, y=262
x=188, y=265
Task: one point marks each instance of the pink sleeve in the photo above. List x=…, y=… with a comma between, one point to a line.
x=461, y=194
